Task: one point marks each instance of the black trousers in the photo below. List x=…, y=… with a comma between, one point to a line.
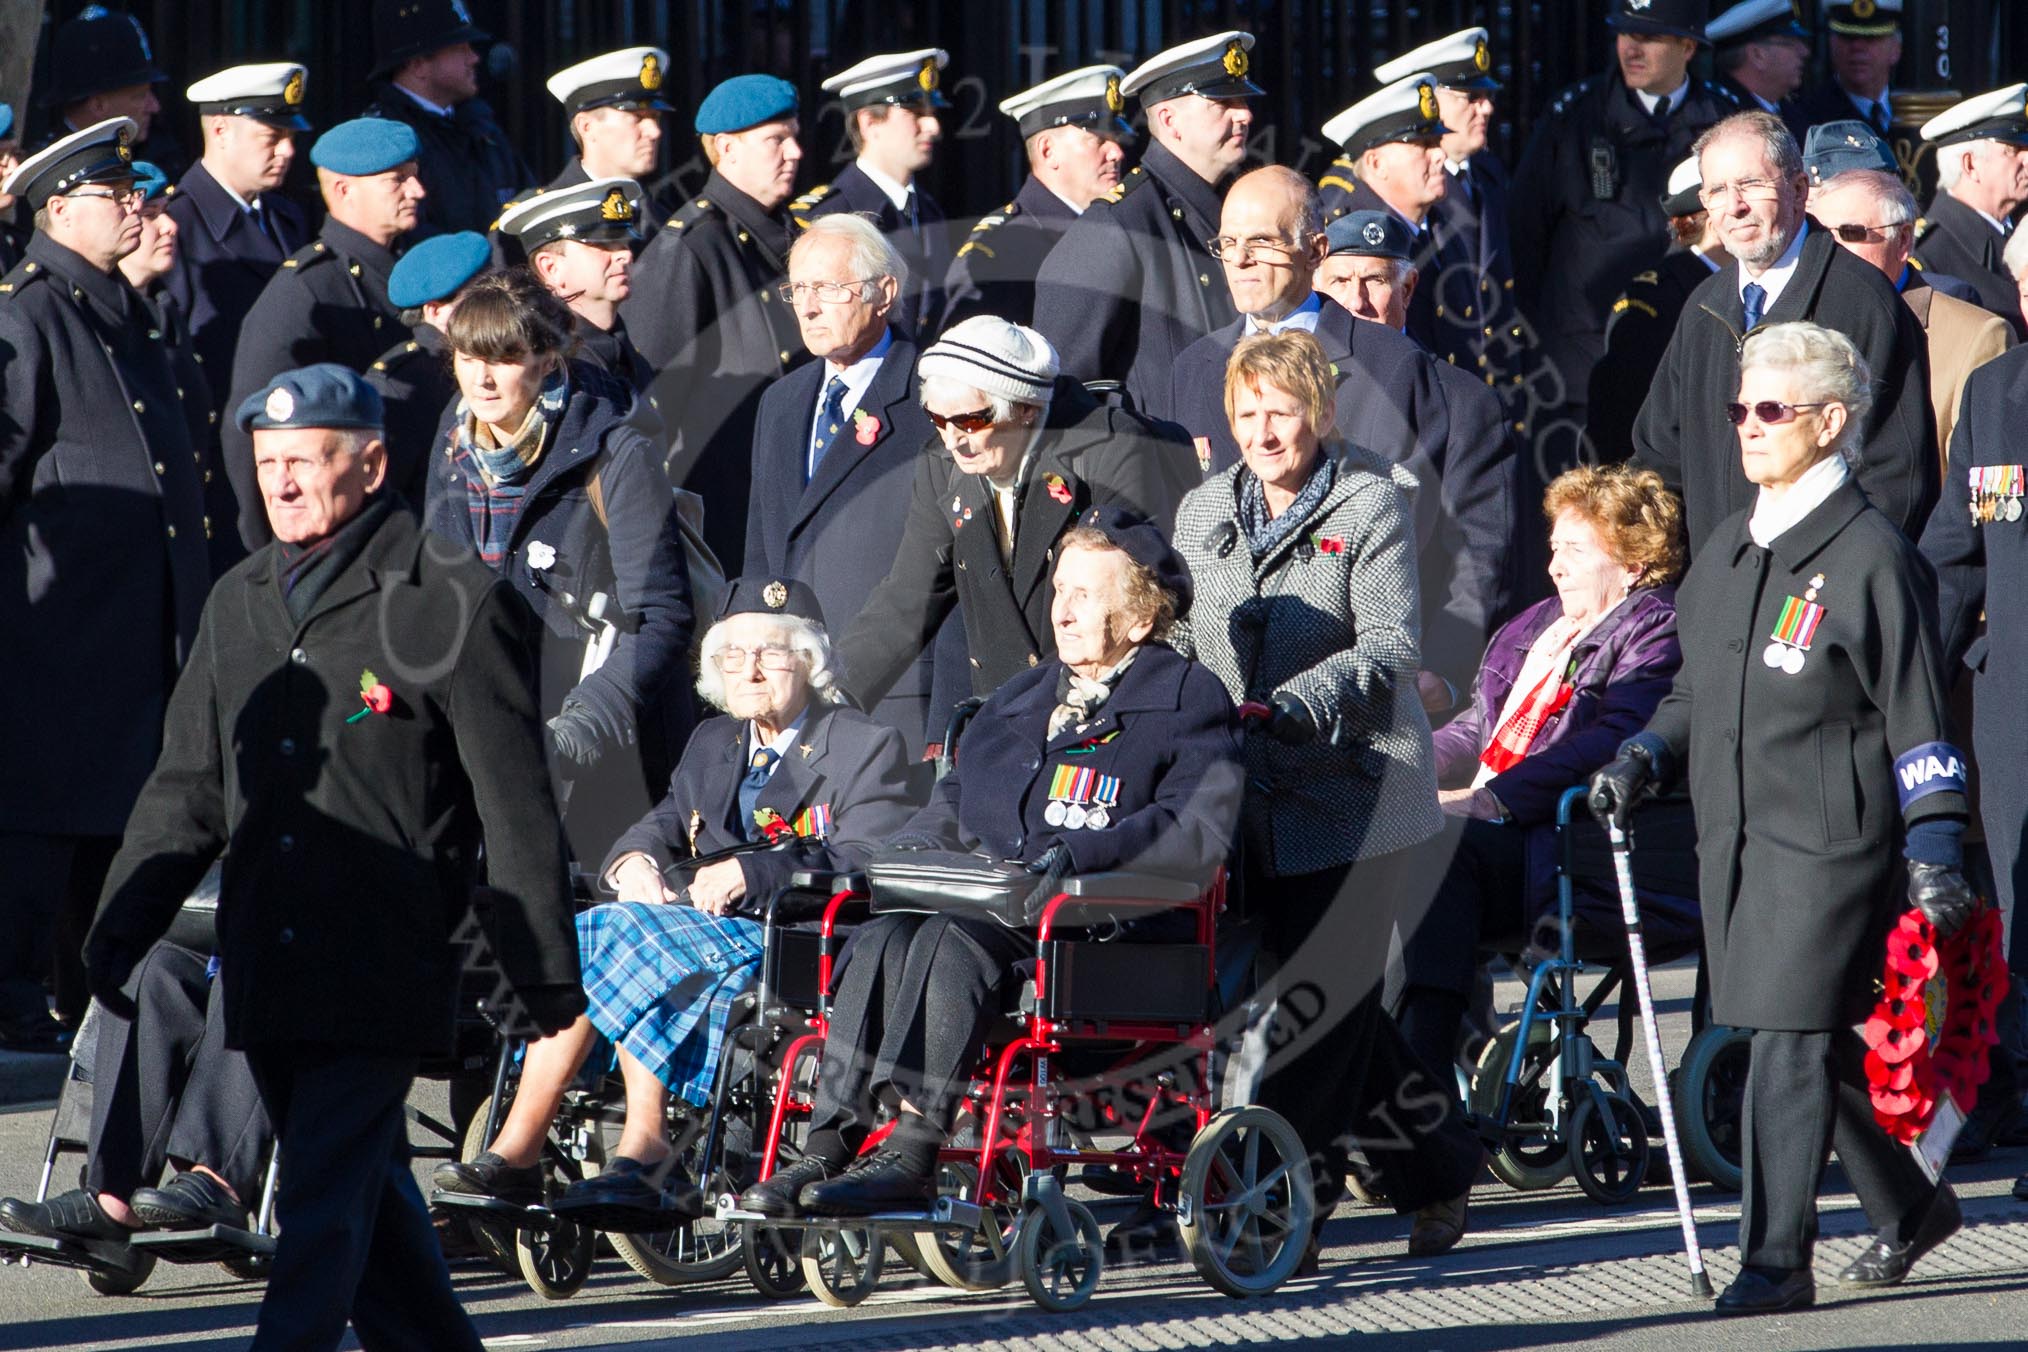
x=915, y=1000
x=356, y=1241
x=49, y=891
x=166, y=1087
x=1336, y=1066
x=1805, y=1097
x=1435, y=961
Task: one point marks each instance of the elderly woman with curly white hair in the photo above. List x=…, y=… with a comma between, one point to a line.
x=786, y=778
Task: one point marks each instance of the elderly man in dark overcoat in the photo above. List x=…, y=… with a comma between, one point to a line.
x=102, y=522
x=357, y=719
x=1783, y=269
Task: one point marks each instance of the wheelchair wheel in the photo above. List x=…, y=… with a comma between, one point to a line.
x=121, y=1281
x=1711, y=1104
x=1608, y=1147
x=702, y=1250
x=1060, y=1270
x=983, y=1259
x=248, y=1267
x=1248, y=1201
x=497, y=1241
x=773, y=1259
x=1525, y=1162
x=842, y=1266
x=555, y=1262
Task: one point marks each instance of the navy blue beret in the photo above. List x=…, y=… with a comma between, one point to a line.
x=324, y=395
x=365, y=145
x=745, y=101
x=437, y=267
x=150, y=179
x=1832, y=148
x=6, y=120
x=1142, y=541
x=771, y=596
x=1371, y=234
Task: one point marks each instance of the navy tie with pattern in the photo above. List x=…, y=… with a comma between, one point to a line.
x=1755, y=297
x=750, y=789
x=830, y=421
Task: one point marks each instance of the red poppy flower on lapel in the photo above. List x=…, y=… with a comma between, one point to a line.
x=1058, y=489
x=377, y=697
x=1329, y=544
x=865, y=427
x=771, y=824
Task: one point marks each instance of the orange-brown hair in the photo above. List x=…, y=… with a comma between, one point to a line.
x=1640, y=521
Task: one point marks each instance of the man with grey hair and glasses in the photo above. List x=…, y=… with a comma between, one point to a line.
x=1755, y=187
x=1981, y=180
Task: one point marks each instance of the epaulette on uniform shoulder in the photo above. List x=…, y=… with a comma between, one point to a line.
x=1719, y=92
x=1134, y=178
x=1570, y=96
x=975, y=238
x=396, y=355
x=1339, y=175
x=19, y=279
x=1923, y=225
x=316, y=251
x=800, y=209
x=691, y=212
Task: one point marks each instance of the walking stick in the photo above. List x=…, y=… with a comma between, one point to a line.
x=1623, y=869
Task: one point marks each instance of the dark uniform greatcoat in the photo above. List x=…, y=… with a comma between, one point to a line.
x=467, y=164
x=995, y=268
x=924, y=242
x=1131, y=285
x=704, y=314
x=1447, y=310
x=1792, y=773
x=1955, y=239
x=328, y=302
x=844, y=763
x=102, y=525
x=1089, y=455
x=1978, y=561
x=1643, y=320
x=223, y=262
x=352, y=848
x=1682, y=432
x=417, y=393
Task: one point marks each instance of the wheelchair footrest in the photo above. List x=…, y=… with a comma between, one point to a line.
x=87, y=1255
x=208, y=1245
x=948, y=1213
x=496, y=1211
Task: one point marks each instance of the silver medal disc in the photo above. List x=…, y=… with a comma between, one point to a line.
x=1054, y=813
x=2013, y=509
x=1775, y=655
x=1792, y=661
x=1097, y=820
x=1074, y=819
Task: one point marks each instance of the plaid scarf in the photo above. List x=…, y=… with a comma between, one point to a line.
x=496, y=476
x=1263, y=532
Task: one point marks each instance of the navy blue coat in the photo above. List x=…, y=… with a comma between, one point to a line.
x=995, y=268
x=1955, y=239
x=223, y=262
x=1446, y=312
x=839, y=532
x=466, y=162
x=924, y=244
x=1167, y=733
x=635, y=555
x=102, y=527
x=844, y=762
x=417, y=392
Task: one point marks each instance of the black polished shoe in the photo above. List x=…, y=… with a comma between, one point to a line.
x=633, y=1198
x=490, y=1176
x=68, y=1215
x=1149, y=1235
x=2021, y=1188
x=882, y=1181
x=189, y=1201
x=778, y=1196
x=1884, y=1264
x=1764, y=1291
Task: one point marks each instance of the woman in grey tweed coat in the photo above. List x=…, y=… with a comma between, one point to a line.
x=1303, y=561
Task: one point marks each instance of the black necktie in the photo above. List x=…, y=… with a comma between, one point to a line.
x=267, y=227
x=914, y=217
x=1877, y=115
x=750, y=789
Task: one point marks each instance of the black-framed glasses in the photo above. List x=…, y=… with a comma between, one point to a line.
x=978, y=420
x=1770, y=411
x=1226, y=249
x=829, y=293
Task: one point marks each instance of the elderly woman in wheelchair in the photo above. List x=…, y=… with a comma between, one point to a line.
x=785, y=780
x=1562, y=685
x=1118, y=753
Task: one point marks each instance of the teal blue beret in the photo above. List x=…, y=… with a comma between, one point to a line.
x=365, y=145
x=437, y=267
x=745, y=101
x=150, y=180
x=324, y=395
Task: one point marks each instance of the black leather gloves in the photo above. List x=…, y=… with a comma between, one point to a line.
x=576, y=735
x=1048, y=868
x=1943, y=896
x=914, y=840
x=1288, y=721
x=1622, y=785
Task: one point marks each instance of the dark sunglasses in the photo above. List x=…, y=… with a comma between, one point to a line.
x=978, y=420
x=1853, y=233
x=1769, y=411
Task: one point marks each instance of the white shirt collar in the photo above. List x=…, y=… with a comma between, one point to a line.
x=1865, y=105
x=783, y=742
x=1303, y=317
x=1776, y=278
x=1065, y=200
x=896, y=193
x=424, y=103
x=1772, y=515
x=858, y=378
x=1993, y=221
x=1674, y=98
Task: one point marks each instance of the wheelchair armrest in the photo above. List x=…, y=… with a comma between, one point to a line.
x=810, y=894
x=1132, y=887
x=820, y=880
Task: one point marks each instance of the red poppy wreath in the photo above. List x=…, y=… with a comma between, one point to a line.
x=1931, y=1030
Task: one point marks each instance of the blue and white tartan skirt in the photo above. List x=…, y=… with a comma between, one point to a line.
x=661, y=980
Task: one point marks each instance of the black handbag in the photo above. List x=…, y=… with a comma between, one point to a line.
x=948, y=880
